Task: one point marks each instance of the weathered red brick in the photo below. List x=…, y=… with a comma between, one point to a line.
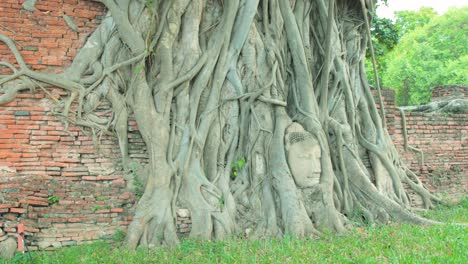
x=18, y=210
x=34, y=202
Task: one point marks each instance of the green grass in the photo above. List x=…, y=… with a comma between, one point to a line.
x=395, y=243
x=452, y=213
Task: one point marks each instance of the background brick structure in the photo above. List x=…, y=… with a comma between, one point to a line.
x=55, y=181
x=42, y=36
x=443, y=139
x=69, y=190
x=449, y=91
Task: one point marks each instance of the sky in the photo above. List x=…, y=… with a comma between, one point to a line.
x=397, y=5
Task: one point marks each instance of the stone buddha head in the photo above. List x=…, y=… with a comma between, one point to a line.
x=303, y=155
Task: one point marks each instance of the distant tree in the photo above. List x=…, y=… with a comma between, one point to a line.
x=407, y=21
x=386, y=33
x=427, y=56
x=385, y=36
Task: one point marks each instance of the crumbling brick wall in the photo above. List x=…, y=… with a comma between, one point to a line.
x=443, y=139
x=443, y=92
x=65, y=185
x=55, y=181
x=43, y=38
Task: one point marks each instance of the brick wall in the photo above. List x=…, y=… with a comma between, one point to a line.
x=63, y=186
x=388, y=98
x=449, y=91
x=443, y=138
x=42, y=36
x=444, y=142
x=64, y=189
x=56, y=182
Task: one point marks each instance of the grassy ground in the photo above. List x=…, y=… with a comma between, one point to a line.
x=394, y=243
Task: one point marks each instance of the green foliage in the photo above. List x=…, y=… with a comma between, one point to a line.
x=372, y=244
x=357, y=218
x=385, y=36
x=237, y=166
x=440, y=176
x=136, y=69
x=96, y=207
x=53, y=199
x=137, y=184
x=221, y=202
x=21, y=258
x=407, y=21
x=427, y=56
x=149, y=3
x=119, y=236
x=456, y=213
x=430, y=52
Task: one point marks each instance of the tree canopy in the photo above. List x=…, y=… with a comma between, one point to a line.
x=407, y=20
x=385, y=36
x=431, y=51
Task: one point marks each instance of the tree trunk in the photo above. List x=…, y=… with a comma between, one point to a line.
x=257, y=115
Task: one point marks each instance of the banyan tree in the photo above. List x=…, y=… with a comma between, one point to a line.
x=256, y=115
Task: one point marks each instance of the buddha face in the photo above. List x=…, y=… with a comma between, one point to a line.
x=304, y=155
